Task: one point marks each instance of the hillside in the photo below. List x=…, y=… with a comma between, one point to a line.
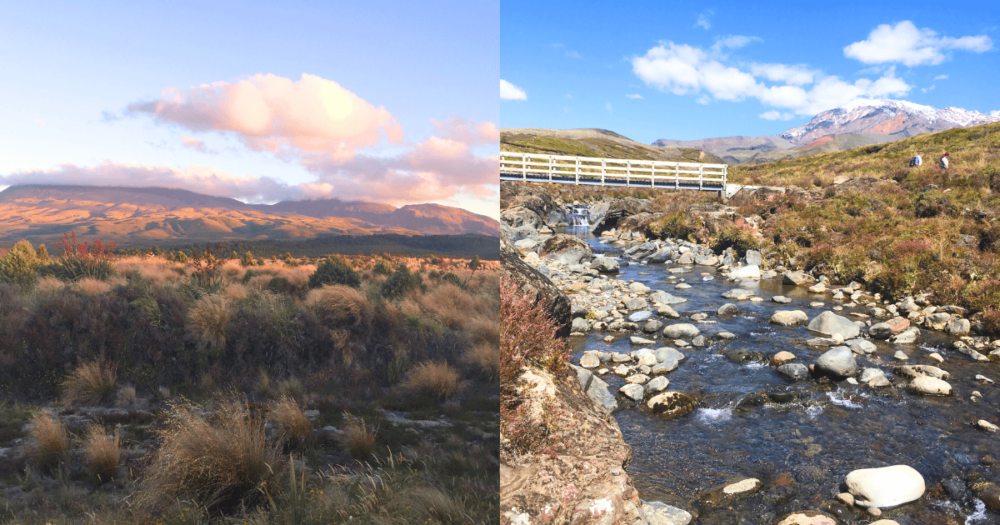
x=860, y=123
x=141, y=216
x=593, y=143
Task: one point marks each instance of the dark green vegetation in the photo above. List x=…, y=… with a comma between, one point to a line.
x=460, y=246
x=593, y=143
x=210, y=391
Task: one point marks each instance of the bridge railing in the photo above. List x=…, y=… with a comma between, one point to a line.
x=534, y=167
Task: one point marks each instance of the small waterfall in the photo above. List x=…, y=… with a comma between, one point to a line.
x=579, y=217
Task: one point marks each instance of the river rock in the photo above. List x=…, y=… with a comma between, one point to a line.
x=635, y=303
x=657, y=384
x=959, y=327
x=789, y=318
x=680, y=331
x=741, y=487
x=519, y=216
x=682, y=286
x=937, y=321
x=750, y=272
x=648, y=360
x=838, y=362
x=738, y=294
x=781, y=299
x=908, y=336
x=753, y=258
x=686, y=258
x=861, y=346
x=638, y=288
x=637, y=379
x=596, y=389
x=664, y=298
x=728, y=309
x=580, y=325
x=879, y=382
x=781, y=358
x=636, y=340
x=633, y=392
x=671, y=404
x=534, y=283
x=798, y=279
x=817, y=288
x=665, y=367
x=590, y=360
x=665, y=353
x=830, y=324
x=660, y=256
x=901, y=356
x=931, y=386
x=987, y=426
x=808, y=517
x=880, y=331
x=885, y=487
x=794, y=371
x=870, y=373
x=652, y=327
x=662, y=514
x=605, y=265
x=707, y=260
x=639, y=317
x=921, y=370
x=567, y=249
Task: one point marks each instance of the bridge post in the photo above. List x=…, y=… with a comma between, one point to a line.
x=677, y=176
x=701, y=178
x=524, y=167
x=652, y=174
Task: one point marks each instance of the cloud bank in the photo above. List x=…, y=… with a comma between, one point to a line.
x=906, y=44
x=509, y=91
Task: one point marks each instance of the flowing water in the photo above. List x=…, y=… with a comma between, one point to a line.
x=803, y=445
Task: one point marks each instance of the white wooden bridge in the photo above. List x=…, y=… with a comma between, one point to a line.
x=626, y=173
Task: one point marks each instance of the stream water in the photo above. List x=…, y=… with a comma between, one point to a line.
x=802, y=448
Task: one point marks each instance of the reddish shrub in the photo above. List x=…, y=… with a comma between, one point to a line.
x=527, y=335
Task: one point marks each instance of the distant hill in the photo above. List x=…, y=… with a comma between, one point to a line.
x=171, y=216
x=860, y=123
x=593, y=143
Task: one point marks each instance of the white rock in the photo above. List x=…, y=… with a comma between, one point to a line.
x=740, y=487
x=885, y=487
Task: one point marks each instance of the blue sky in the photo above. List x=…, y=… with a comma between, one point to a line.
x=685, y=70
x=396, y=105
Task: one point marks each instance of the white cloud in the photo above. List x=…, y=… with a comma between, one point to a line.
x=703, y=21
x=607, y=106
x=995, y=113
x=682, y=69
x=941, y=77
x=906, y=44
x=734, y=42
x=634, y=96
x=794, y=75
x=509, y=91
x=776, y=115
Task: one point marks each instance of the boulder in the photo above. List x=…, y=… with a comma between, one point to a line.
x=596, y=389
x=660, y=256
x=798, y=279
x=590, y=360
x=880, y=331
x=794, y=371
x=530, y=281
x=931, y=386
x=657, y=384
x=633, y=392
x=789, y=318
x=885, y=487
x=937, y=320
x=681, y=331
x=580, y=325
x=605, y=265
x=861, y=346
x=753, y=258
x=914, y=371
x=830, y=324
x=781, y=358
x=751, y=272
x=662, y=514
x=665, y=354
x=670, y=404
x=908, y=336
x=520, y=216
x=686, y=258
x=870, y=373
x=837, y=362
x=567, y=249
x=959, y=327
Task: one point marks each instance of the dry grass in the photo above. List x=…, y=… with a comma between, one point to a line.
x=436, y=379
x=49, y=284
x=208, y=319
x=102, y=453
x=359, y=437
x=220, y=464
x=50, y=441
x=91, y=286
x=485, y=358
x=126, y=397
x=290, y=420
x=341, y=306
x=89, y=385
x=157, y=270
x=236, y=292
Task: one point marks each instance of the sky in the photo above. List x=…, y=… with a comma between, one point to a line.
x=694, y=70
x=261, y=101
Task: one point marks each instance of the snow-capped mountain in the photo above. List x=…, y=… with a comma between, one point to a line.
x=897, y=118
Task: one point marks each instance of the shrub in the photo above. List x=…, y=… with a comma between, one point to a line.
x=358, y=437
x=221, y=465
x=485, y=358
x=527, y=335
x=50, y=442
x=18, y=266
x=290, y=420
x=182, y=258
x=400, y=282
x=676, y=225
x=739, y=239
x=435, y=379
x=382, y=268
x=102, y=453
x=247, y=260
x=91, y=286
x=334, y=270
x=341, y=306
x=82, y=260
x=208, y=319
x=90, y=384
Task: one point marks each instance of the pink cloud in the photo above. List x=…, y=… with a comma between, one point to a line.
x=194, y=143
x=467, y=132
x=278, y=115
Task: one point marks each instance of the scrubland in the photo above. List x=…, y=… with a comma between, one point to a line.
x=141, y=389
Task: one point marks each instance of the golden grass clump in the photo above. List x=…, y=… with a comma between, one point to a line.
x=208, y=319
x=91, y=286
x=341, y=306
x=126, y=397
x=50, y=441
x=436, y=379
x=450, y=305
x=157, y=270
x=89, y=385
x=359, y=437
x=236, y=292
x=290, y=420
x=485, y=358
x=49, y=284
x=102, y=453
x=221, y=464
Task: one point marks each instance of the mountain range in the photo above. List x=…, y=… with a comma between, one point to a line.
x=859, y=123
x=170, y=216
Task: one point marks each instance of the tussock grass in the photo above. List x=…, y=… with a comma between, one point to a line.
x=221, y=464
x=102, y=453
x=50, y=441
x=92, y=286
x=359, y=437
x=485, y=358
x=435, y=379
x=290, y=420
x=208, y=319
x=341, y=305
x=89, y=385
x=126, y=397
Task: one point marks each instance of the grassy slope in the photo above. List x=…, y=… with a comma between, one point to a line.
x=615, y=147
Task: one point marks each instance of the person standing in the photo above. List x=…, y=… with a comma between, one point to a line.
x=944, y=161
